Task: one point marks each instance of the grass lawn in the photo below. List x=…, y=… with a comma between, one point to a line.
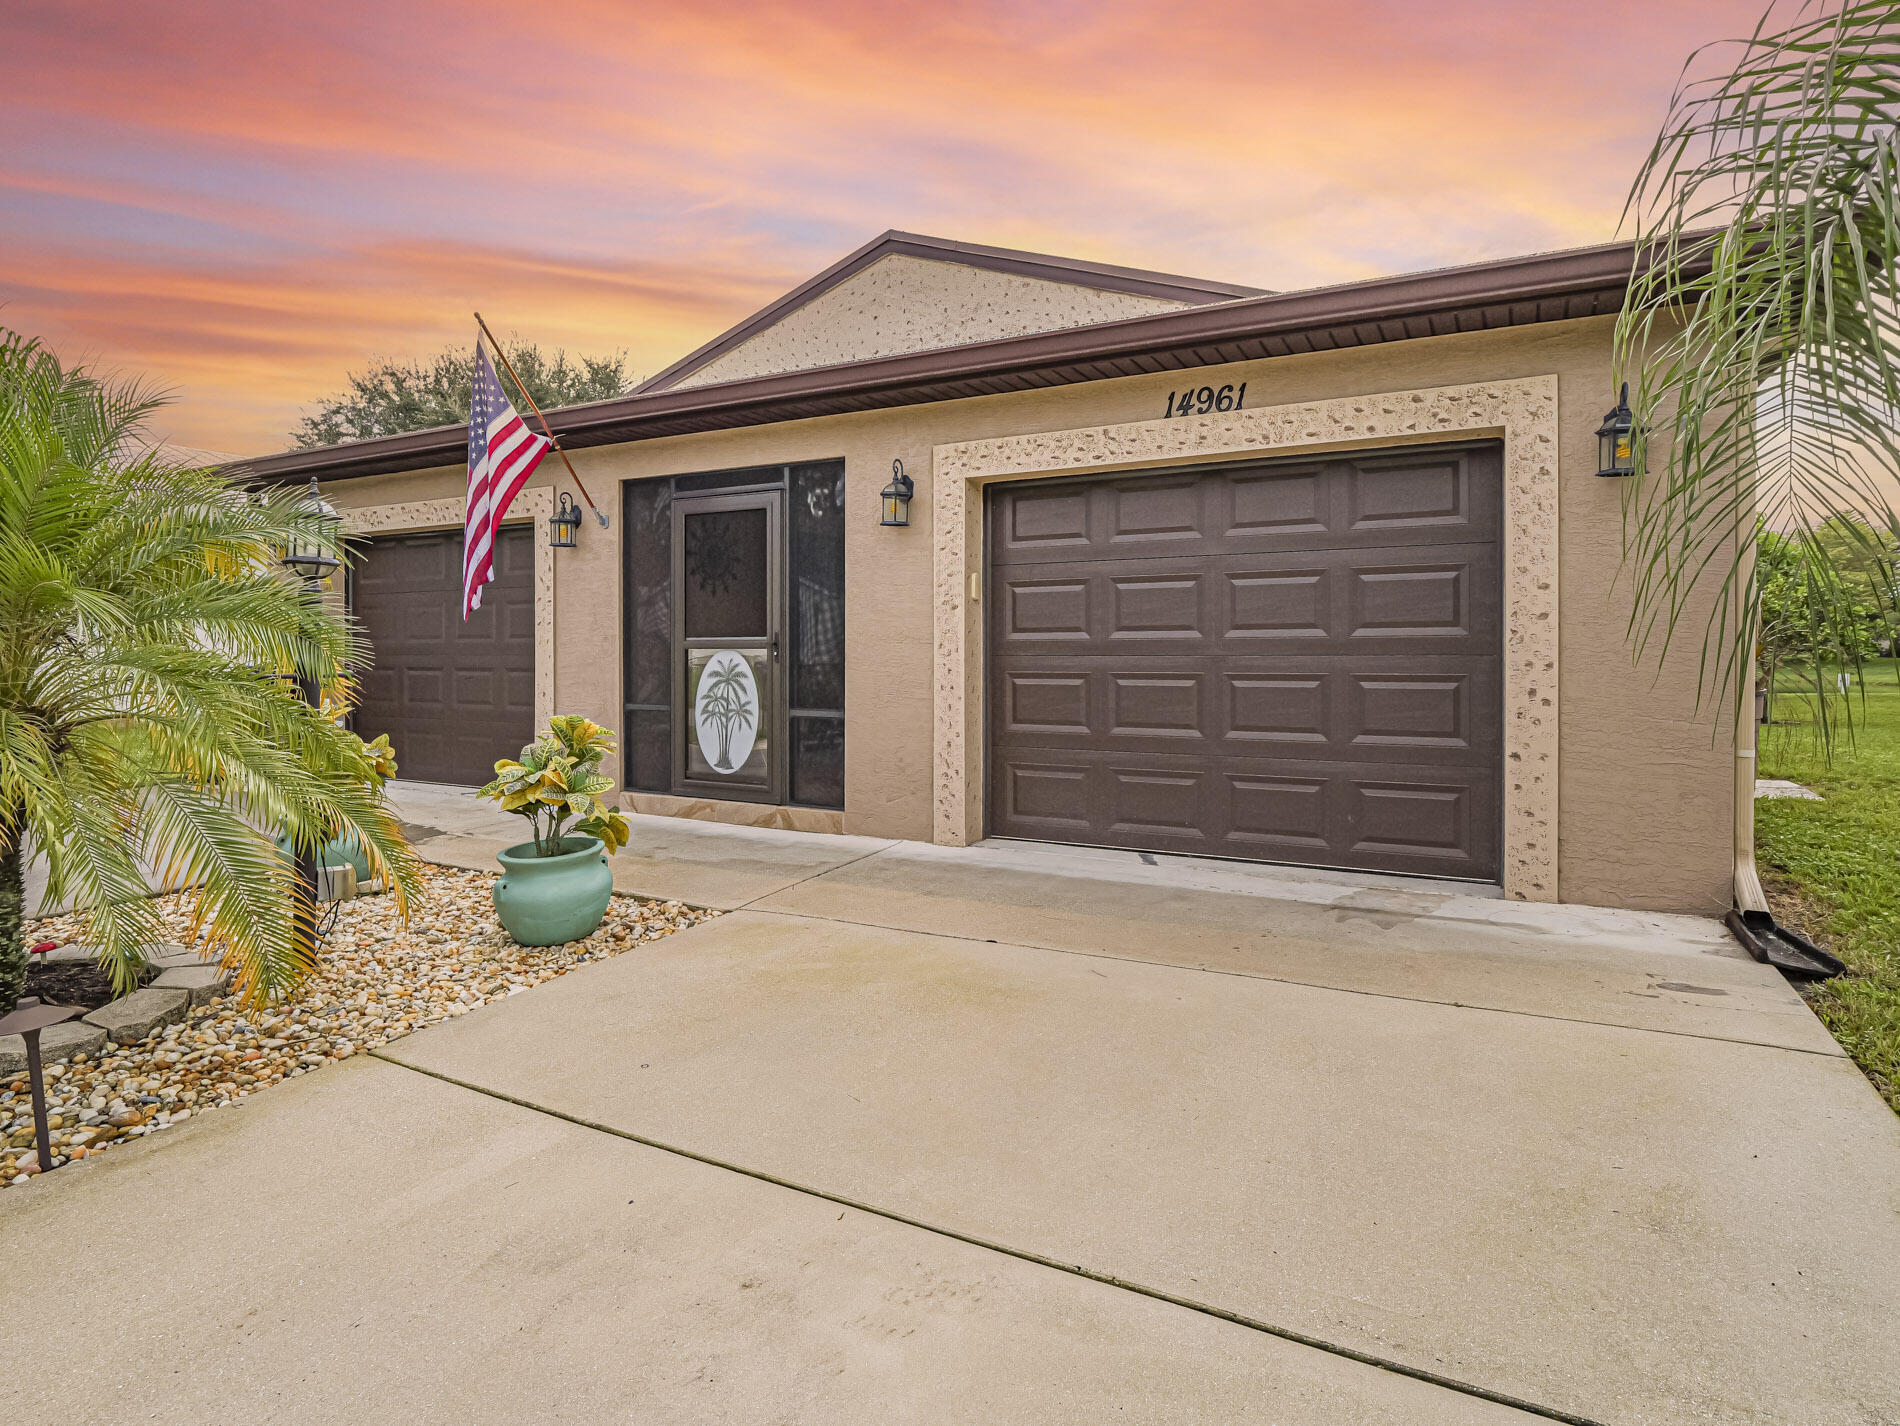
x=1832, y=868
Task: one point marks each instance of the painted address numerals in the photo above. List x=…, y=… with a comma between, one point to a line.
x=1200, y=401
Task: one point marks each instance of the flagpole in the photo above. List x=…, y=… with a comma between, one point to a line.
x=548, y=430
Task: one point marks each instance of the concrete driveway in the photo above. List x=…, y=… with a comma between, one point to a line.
x=1021, y=1134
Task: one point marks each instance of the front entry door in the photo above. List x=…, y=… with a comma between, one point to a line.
x=727, y=638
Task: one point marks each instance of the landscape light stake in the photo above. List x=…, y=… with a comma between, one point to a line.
x=546, y=429
x=27, y=1020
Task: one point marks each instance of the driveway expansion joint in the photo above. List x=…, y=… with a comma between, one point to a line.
x=814, y=876
x=1081, y=1270
x=1835, y=1052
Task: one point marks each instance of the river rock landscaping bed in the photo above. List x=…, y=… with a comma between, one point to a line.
x=377, y=981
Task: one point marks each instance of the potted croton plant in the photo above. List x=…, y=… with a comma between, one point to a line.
x=555, y=887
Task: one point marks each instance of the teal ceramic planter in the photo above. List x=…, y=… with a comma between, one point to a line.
x=345, y=850
x=543, y=901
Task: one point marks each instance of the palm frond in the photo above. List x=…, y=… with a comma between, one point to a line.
x=1761, y=330
x=147, y=715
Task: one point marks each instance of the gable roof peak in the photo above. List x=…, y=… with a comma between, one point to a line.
x=1046, y=267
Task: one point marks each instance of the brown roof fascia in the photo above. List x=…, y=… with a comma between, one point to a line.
x=1102, y=276
x=1511, y=292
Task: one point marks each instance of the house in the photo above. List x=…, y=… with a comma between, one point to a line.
x=1324, y=577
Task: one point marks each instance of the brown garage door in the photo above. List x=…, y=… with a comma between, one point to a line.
x=453, y=697
x=1293, y=661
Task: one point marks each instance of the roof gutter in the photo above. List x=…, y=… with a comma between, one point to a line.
x=1367, y=311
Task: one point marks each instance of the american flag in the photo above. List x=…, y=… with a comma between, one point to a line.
x=502, y=454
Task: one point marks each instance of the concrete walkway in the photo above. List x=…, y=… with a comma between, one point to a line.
x=1018, y=1134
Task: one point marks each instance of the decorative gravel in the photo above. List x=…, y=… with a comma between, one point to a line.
x=378, y=980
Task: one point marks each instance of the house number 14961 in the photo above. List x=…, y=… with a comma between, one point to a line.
x=1198, y=402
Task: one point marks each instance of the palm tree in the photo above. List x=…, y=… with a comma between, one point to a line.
x=1760, y=328
x=726, y=701
x=147, y=712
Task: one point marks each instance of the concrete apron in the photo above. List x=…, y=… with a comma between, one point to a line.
x=1378, y=934
x=1673, y=1214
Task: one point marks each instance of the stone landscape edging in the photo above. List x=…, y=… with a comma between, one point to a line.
x=185, y=980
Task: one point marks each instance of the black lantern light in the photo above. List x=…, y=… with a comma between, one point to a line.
x=897, y=496
x=1616, y=439
x=564, y=524
x=310, y=559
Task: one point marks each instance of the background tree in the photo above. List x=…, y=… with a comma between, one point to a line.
x=394, y=396
x=147, y=717
x=1760, y=328
x=1866, y=560
x=1813, y=622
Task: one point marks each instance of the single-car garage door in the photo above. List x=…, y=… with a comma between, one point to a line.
x=1296, y=661
x=453, y=697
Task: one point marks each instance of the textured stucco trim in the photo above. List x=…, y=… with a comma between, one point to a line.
x=1523, y=412
x=536, y=505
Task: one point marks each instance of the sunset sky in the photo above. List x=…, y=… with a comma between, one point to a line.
x=244, y=201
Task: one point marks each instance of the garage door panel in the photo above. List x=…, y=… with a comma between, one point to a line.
x=1290, y=661
x=452, y=696
x=1046, y=703
x=517, y=623
x=1283, y=605
x=1044, y=610
x=1410, y=818
x=478, y=688
x=1143, y=515
x=1239, y=603
x=1048, y=798
x=1279, y=504
x=377, y=687
x=1278, y=709
x=1345, y=502
x=1405, y=495
x=1053, y=519
x=1280, y=816
x=1156, y=704
x=1440, y=599
x=1416, y=712
x=423, y=690
x=1162, y=606
x=1156, y=802
x=1439, y=711
x=518, y=700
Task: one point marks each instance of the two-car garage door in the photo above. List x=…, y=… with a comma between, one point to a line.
x=1295, y=661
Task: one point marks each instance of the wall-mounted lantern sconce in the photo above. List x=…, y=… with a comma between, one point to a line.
x=309, y=560
x=1616, y=439
x=897, y=496
x=564, y=524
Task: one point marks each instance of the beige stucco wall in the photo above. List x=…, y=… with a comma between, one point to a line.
x=1646, y=778
x=909, y=304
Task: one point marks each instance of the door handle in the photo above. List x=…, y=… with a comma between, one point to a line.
x=775, y=648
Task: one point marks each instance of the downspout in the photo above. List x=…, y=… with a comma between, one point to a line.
x=1749, y=895
x=1753, y=924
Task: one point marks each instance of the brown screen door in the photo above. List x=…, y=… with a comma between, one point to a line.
x=728, y=634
